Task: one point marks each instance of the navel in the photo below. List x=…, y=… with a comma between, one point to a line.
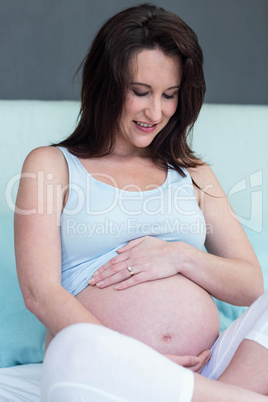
x=167, y=338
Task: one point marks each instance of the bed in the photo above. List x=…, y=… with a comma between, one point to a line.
x=232, y=138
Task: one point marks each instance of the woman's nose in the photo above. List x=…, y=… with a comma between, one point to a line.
x=154, y=110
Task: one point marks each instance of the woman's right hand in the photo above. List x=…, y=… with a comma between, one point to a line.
x=194, y=363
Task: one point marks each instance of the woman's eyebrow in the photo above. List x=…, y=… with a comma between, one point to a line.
x=149, y=86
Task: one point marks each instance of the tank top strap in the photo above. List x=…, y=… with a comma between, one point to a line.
x=175, y=177
x=77, y=171
x=188, y=177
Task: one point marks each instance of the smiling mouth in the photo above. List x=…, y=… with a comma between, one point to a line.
x=139, y=123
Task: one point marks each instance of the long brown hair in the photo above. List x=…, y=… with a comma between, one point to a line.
x=106, y=77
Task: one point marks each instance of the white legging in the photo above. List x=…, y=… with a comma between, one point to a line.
x=87, y=362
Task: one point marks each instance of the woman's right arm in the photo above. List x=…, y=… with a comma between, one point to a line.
x=40, y=200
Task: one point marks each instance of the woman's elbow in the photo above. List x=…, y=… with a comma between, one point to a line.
x=256, y=289
x=36, y=299
x=31, y=301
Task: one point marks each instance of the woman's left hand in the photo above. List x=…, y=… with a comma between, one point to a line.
x=141, y=260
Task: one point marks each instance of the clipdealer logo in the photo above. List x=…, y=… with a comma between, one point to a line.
x=135, y=227
x=255, y=189
x=251, y=188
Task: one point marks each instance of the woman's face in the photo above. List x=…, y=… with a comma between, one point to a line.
x=152, y=98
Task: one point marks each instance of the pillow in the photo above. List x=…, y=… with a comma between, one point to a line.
x=22, y=336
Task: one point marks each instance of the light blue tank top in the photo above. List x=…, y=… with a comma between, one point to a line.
x=99, y=218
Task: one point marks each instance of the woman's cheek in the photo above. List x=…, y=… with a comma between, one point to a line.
x=172, y=109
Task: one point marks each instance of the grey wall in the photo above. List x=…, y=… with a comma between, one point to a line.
x=42, y=42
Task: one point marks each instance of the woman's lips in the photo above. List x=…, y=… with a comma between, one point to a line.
x=145, y=127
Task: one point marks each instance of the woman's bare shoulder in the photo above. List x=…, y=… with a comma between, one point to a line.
x=44, y=154
x=206, y=180
x=44, y=174
x=47, y=159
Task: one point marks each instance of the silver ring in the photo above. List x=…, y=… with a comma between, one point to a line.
x=130, y=271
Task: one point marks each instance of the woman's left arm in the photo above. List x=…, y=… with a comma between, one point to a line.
x=229, y=270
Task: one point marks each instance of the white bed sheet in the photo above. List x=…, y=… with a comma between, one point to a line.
x=21, y=383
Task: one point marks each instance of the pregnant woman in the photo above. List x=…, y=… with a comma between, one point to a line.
x=109, y=249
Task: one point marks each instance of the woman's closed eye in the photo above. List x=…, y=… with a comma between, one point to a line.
x=140, y=93
x=166, y=96
x=169, y=96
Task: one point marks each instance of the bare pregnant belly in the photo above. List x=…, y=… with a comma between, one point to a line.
x=172, y=315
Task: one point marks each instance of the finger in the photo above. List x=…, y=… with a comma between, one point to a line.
x=113, y=261
x=130, y=245
x=123, y=276
x=132, y=281
x=203, y=362
x=109, y=265
x=205, y=353
x=197, y=368
x=101, y=275
x=189, y=361
x=185, y=361
x=207, y=360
